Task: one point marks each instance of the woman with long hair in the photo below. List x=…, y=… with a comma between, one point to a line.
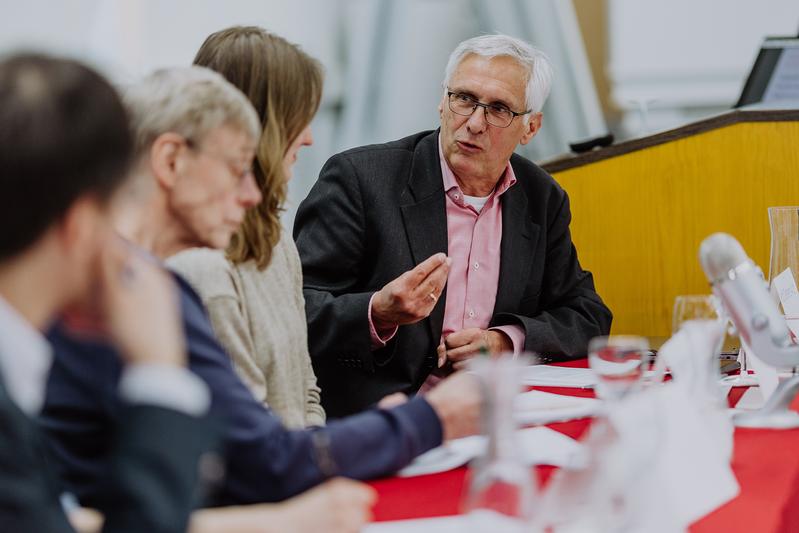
x=253, y=292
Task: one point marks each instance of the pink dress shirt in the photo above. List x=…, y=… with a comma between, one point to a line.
x=473, y=242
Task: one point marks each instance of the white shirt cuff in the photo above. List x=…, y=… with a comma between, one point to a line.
x=165, y=386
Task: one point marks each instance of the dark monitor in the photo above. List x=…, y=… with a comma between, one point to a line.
x=775, y=74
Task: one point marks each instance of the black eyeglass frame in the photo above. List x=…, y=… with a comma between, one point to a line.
x=476, y=103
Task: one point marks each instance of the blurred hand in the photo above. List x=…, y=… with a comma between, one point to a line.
x=138, y=301
x=338, y=506
x=392, y=400
x=462, y=345
x=457, y=401
x=412, y=296
x=85, y=520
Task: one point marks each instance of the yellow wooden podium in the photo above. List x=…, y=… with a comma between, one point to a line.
x=641, y=208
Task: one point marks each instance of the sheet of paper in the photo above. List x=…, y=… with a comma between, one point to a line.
x=785, y=286
x=444, y=524
x=539, y=446
x=538, y=407
x=558, y=376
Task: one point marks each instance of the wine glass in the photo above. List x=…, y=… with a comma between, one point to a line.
x=693, y=307
x=619, y=362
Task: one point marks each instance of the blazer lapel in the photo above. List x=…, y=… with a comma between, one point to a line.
x=424, y=214
x=519, y=238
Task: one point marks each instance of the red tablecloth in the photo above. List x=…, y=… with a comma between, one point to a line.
x=765, y=462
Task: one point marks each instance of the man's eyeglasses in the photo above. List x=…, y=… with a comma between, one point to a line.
x=496, y=114
x=234, y=167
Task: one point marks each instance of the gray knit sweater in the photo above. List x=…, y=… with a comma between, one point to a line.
x=259, y=317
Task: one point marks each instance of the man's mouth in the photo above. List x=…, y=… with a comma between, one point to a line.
x=468, y=147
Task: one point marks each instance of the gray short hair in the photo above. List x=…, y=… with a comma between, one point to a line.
x=539, y=77
x=189, y=101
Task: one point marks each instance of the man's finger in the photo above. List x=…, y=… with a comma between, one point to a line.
x=420, y=272
x=463, y=337
x=463, y=352
x=442, y=354
x=433, y=284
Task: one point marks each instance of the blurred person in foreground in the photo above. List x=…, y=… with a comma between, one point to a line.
x=196, y=139
x=65, y=149
x=253, y=290
x=65, y=146
x=418, y=253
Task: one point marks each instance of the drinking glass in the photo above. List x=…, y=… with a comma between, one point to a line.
x=501, y=492
x=619, y=362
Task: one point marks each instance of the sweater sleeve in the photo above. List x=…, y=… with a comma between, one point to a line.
x=210, y=274
x=314, y=412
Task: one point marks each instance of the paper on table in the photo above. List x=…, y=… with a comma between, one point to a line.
x=785, y=285
x=444, y=524
x=539, y=446
x=537, y=407
x=447, y=524
x=558, y=376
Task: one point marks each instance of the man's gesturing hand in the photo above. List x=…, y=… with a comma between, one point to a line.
x=412, y=296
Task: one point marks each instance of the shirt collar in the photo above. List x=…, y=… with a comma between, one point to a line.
x=25, y=360
x=507, y=180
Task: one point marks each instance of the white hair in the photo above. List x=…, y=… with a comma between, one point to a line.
x=539, y=69
x=189, y=101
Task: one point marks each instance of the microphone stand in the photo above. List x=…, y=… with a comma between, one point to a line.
x=775, y=414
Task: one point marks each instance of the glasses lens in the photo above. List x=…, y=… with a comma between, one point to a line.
x=499, y=116
x=461, y=104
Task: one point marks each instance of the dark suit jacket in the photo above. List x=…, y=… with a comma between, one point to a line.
x=148, y=485
x=376, y=212
x=264, y=461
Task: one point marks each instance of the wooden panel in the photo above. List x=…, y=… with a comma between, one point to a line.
x=638, y=218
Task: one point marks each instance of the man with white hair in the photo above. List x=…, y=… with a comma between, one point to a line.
x=419, y=253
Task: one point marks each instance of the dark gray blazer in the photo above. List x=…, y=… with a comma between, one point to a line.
x=376, y=212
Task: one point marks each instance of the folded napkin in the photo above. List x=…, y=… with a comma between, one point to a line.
x=691, y=354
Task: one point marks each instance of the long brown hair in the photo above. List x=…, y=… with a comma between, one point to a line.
x=284, y=85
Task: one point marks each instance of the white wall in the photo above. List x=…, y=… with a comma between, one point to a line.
x=686, y=58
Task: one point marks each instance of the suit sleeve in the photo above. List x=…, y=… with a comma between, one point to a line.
x=329, y=231
x=153, y=478
x=29, y=493
x=267, y=462
x=570, y=310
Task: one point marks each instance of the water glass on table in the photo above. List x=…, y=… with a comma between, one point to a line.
x=619, y=362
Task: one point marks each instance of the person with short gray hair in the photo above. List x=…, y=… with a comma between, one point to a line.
x=420, y=253
x=190, y=101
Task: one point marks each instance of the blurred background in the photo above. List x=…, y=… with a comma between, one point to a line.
x=630, y=67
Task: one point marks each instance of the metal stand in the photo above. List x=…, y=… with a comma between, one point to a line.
x=775, y=414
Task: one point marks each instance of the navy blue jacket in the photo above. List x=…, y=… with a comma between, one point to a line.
x=264, y=461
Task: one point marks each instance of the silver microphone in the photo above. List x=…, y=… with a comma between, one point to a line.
x=738, y=282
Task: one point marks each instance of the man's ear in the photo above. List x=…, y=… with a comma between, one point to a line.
x=166, y=155
x=532, y=127
x=78, y=228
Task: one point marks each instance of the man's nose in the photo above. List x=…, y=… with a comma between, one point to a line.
x=477, y=120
